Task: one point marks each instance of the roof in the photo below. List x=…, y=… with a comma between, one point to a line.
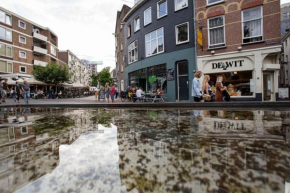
x=134, y=8
x=27, y=20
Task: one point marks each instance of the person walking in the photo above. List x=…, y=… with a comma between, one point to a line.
x=116, y=91
x=13, y=93
x=26, y=90
x=196, y=88
x=107, y=92
x=206, y=88
x=5, y=90
x=17, y=91
x=219, y=88
x=112, y=92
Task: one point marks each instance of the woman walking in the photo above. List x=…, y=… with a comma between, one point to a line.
x=219, y=88
x=107, y=92
x=206, y=87
x=112, y=93
x=196, y=90
x=17, y=91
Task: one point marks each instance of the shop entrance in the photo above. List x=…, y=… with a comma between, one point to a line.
x=182, y=78
x=143, y=83
x=268, y=92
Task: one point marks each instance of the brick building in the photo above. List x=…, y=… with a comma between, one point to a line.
x=23, y=44
x=119, y=50
x=241, y=42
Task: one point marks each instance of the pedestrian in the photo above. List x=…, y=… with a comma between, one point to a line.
x=206, y=88
x=112, y=92
x=107, y=92
x=17, y=91
x=196, y=88
x=13, y=93
x=26, y=90
x=219, y=88
x=96, y=93
x=5, y=89
x=116, y=91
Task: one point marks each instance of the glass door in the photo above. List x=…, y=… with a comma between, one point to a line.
x=268, y=93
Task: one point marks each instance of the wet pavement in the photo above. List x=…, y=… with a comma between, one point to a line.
x=121, y=150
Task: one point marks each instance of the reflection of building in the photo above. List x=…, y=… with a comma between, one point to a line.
x=80, y=74
x=26, y=153
x=285, y=18
x=284, y=74
x=161, y=158
x=241, y=42
x=159, y=36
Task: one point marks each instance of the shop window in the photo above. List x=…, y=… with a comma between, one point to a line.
x=237, y=83
x=216, y=27
x=158, y=73
x=133, y=78
x=252, y=25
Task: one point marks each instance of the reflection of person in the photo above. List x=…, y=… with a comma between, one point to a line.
x=219, y=88
x=196, y=89
x=197, y=114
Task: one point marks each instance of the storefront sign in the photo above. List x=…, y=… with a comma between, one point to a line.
x=225, y=65
x=152, y=78
x=170, y=74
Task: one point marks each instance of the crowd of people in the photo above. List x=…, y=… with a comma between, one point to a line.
x=202, y=92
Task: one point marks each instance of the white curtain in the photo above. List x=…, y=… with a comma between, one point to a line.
x=252, y=28
x=216, y=35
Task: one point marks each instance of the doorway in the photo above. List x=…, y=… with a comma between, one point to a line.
x=268, y=89
x=183, y=83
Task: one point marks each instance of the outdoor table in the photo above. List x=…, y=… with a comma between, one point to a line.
x=158, y=97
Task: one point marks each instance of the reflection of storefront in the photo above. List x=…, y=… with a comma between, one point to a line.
x=248, y=75
x=149, y=79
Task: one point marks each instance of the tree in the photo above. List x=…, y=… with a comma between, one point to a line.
x=52, y=73
x=94, y=80
x=104, y=76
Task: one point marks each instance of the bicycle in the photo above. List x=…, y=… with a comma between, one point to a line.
x=124, y=96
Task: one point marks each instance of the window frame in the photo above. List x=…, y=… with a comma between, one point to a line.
x=209, y=4
x=137, y=17
x=24, y=68
x=7, y=63
x=5, y=18
x=6, y=48
x=130, y=50
x=180, y=8
x=208, y=32
x=156, y=42
x=19, y=21
x=129, y=35
x=5, y=38
x=150, y=16
x=262, y=26
x=176, y=34
x=52, y=46
x=158, y=3
x=20, y=54
x=20, y=38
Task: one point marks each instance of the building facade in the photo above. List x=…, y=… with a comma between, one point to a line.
x=285, y=18
x=23, y=44
x=119, y=50
x=80, y=74
x=159, y=49
x=284, y=71
x=240, y=40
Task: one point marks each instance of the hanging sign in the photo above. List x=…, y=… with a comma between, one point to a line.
x=199, y=37
x=152, y=78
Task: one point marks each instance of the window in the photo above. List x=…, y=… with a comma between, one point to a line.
x=5, y=66
x=182, y=33
x=23, y=70
x=180, y=4
x=5, y=50
x=52, y=50
x=133, y=52
x=5, y=34
x=22, y=54
x=129, y=30
x=160, y=78
x=154, y=42
x=252, y=25
x=212, y=2
x=22, y=24
x=4, y=18
x=137, y=24
x=161, y=9
x=216, y=32
x=147, y=16
x=284, y=15
x=22, y=39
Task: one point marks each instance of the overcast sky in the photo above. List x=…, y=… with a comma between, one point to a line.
x=83, y=26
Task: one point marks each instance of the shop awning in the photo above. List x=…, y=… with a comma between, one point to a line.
x=33, y=81
x=66, y=85
x=10, y=81
x=78, y=85
x=271, y=67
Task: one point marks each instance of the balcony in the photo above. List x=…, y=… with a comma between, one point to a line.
x=39, y=36
x=53, y=42
x=40, y=63
x=39, y=50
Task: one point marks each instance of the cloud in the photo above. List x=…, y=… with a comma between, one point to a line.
x=83, y=26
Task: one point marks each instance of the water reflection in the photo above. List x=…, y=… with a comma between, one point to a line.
x=101, y=150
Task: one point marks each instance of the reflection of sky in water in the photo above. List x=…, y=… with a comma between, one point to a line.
x=90, y=164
